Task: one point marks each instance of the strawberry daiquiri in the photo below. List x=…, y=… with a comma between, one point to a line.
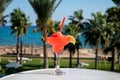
x=57, y=40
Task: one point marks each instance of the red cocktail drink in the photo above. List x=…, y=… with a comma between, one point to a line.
x=58, y=41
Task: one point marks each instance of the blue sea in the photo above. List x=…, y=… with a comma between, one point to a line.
x=31, y=38
x=8, y=39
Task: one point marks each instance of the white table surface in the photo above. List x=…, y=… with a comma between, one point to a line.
x=70, y=74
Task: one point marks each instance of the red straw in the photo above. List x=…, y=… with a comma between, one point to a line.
x=61, y=26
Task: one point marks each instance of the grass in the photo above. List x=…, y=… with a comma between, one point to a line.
x=37, y=63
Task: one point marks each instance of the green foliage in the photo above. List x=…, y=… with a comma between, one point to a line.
x=3, y=5
x=95, y=29
x=75, y=26
x=112, y=29
x=76, y=17
x=117, y=2
x=43, y=8
x=113, y=14
x=19, y=22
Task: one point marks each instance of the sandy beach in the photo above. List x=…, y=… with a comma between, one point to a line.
x=38, y=51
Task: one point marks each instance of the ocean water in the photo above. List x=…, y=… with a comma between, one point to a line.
x=8, y=39
x=31, y=38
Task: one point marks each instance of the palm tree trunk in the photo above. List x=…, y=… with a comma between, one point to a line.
x=45, y=50
x=113, y=58
x=17, y=50
x=45, y=56
x=70, y=60
x=21, y=49
x=96, y=57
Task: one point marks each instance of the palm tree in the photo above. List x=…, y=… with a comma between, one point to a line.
x=53, y=27
x=19, y=27
x=76, y=22
x=71, y=29
x=3, y=5
x=113, y=22
x=94, y=33
x=44, y=10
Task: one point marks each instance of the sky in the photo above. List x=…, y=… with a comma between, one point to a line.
x=65, y=9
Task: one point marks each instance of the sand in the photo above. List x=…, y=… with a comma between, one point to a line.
x=38, y=51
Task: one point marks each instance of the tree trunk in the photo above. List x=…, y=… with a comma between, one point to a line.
x=21, y=49
x=70, y=60
x=113, y=58
x=78, y=57
x=17, y=50
x=45, y=56
x=45, y=50
x=96, y=57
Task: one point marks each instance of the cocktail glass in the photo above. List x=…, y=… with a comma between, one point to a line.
x=58, y=41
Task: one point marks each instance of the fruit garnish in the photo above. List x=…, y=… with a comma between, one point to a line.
x=72, y=39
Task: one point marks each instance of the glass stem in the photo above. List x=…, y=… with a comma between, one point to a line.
x=58, y=61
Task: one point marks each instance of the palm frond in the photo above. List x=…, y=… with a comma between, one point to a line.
x=117, y=2
x=20, y=23
x=43, y=8
x=3, y=5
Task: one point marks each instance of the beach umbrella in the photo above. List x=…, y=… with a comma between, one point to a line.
x=13, y=65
